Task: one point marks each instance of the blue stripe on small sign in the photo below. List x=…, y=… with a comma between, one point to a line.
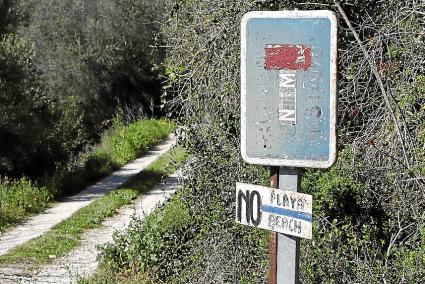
x=286, y=212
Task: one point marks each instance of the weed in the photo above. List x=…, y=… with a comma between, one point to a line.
x=20, y=198
x=119, y=145
x=65, y=236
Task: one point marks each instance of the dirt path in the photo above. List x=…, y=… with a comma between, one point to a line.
x=40, y=224
x=82, y=261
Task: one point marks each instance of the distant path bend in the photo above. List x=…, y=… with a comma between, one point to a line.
x=42, y=223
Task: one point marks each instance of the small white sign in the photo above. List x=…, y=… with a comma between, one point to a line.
x=273, y=209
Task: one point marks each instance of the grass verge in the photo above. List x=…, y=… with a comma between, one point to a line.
x=67, y=235
x=119, y=145
x=166, y=247
x=20, y=198
x=148, y=248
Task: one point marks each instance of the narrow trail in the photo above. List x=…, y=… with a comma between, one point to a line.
x=82, y=261
x=40, y=224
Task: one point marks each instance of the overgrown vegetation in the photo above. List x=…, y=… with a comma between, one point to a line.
x=63, y=78
x=20, y=198
x=67, y=67
x=143, y=247
x=119, y=145
x=368, y=209
x=67, y=235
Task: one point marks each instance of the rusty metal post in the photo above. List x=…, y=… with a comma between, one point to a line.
x=274, y=183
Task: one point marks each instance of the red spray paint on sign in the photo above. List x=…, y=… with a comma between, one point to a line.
x=287, y=56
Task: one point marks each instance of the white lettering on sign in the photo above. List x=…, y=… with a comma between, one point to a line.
x=287, y=97
x=274, y=209
x=288, y=88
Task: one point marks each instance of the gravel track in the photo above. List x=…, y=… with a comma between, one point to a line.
x=40, y=224
x=82, y=261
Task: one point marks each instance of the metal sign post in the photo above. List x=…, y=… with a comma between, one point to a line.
x=288, y=247
x=274, y=183
x=288, y=119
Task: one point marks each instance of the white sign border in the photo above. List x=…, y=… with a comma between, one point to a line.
x=333, y=92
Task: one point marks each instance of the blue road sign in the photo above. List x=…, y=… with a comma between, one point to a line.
x=288, y=88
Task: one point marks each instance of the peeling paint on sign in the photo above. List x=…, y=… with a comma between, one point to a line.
x=287, y=56
x=288, y=88
x=288, y=97
x=277, y=210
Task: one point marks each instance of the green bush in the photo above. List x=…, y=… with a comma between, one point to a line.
x=119, y=145
x=20, y=198
x=134, y=140
x=24, y=111
x=369, y=220
x=150, y=245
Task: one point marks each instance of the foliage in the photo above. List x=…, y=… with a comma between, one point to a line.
x=11, y=15
x=20, y=198
x=151, y=245
x=24, y=115
x=119, y=145
x=369, y=219
x=98, y=56
x=67, y=68
x=66, y=236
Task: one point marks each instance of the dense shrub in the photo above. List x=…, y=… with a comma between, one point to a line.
x=24, y=113
x=67, y=67
x=369, y=208
x=152, y=245
x=19, y=198
x=119, y=144
x=98, y=56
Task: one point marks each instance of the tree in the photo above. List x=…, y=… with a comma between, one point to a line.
x=23, y=110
